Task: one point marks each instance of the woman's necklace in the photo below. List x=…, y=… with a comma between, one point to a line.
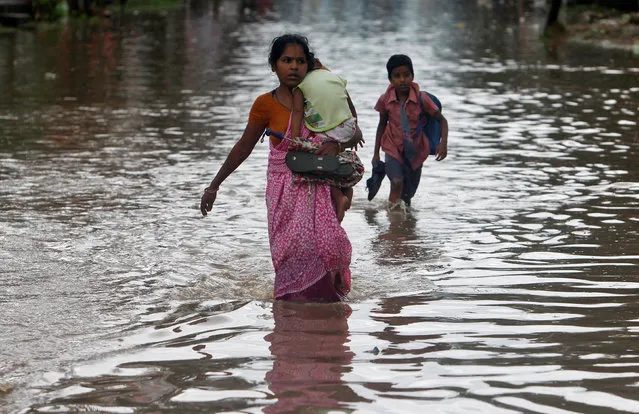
x=288, y=108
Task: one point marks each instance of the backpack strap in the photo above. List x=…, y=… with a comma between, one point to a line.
x=429, y=125
x=423, y=116
x=432, y=98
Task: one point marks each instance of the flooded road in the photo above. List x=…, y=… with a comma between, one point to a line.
x=510, y=286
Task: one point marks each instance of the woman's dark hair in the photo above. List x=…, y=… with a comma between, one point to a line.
x=396, y=61
x=279, y=44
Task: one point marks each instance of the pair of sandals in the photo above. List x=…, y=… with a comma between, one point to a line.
x=303, y=162
x=321, y=165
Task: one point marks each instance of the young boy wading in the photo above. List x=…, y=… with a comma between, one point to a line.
x=399, y=132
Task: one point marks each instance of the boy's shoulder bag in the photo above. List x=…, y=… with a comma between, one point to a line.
x=429, y=125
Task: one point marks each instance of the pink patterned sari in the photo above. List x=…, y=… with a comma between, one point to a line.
x=310, y=250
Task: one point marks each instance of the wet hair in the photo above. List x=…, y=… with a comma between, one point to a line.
x=279, y=44
x=396, y=61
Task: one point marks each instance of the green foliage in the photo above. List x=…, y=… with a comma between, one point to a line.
x=150, y=5
x=61, y=10
x=4, y=29
x=589, y=13
x=49, y=10
x=554, y=30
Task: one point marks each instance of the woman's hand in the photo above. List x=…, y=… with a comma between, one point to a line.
x=208, y=198
x=375, y=159
x=328, y=148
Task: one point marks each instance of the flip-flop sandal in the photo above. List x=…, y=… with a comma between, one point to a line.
x=309, y=163
x=373, y=183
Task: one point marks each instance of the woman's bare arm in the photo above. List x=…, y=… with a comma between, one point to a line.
x=240, y=152
x=297, y=115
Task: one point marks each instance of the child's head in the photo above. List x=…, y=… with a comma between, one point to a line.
x=280, y=43
x=396, y=61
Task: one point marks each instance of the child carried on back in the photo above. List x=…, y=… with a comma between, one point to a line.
x=322, y=103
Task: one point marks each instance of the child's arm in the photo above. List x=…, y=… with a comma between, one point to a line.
x=297, y=116
x=442, y=148
x=319, y=65
x=357, y=139
x=350, y=105
x=381, y=127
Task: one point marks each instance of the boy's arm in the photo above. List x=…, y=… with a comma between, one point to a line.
x=297, y=115
x=381, y=127
x=442, y=148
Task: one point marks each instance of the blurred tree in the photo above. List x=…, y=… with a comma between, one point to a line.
x=75, y=8
x=553, y=13
x=625, y=5
x=553, y=16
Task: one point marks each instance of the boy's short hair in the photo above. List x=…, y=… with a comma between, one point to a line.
x=396, y=61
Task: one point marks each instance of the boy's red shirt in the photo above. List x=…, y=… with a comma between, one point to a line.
x=393, y=139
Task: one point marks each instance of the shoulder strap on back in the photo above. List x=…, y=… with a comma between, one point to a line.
x=421, y=101
x=432, y=98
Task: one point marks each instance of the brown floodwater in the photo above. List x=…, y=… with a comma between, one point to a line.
x=509, y=286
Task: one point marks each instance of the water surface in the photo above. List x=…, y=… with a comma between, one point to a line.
x=508, y=287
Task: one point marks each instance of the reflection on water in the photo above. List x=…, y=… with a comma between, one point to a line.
x=508, y=286
x=186, y=360
x=311, y=354
x=398, y=241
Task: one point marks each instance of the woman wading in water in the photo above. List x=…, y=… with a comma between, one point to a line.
x=310, y=250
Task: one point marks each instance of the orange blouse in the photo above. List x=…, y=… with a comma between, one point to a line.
x=269, y=113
